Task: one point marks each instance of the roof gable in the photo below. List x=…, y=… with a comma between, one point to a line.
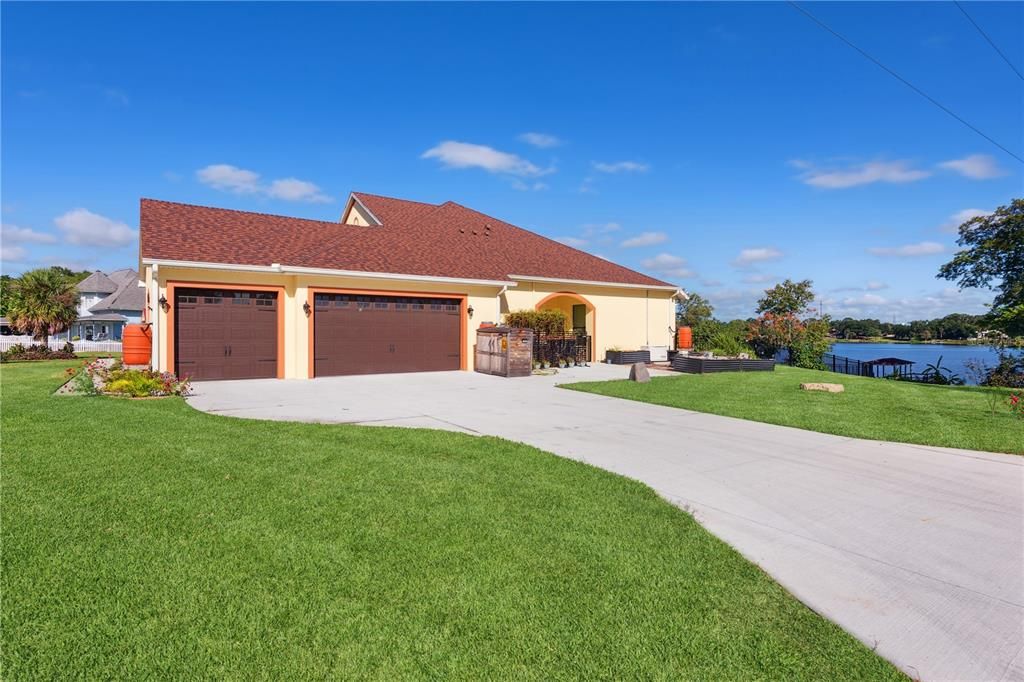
x=97, y=283
x=411, y=238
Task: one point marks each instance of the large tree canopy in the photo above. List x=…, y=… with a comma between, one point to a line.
x=993, y=257
x=787, y=298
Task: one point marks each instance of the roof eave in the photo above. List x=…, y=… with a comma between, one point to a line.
x=595, y=283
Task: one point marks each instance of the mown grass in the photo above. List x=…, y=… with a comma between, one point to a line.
x=143, y=539
x=951, y=416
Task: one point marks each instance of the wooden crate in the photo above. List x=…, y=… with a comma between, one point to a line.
x=504, y=351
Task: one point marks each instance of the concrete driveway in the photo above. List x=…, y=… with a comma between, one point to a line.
x=918, y=551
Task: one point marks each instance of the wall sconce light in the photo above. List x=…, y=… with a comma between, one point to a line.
x=164, y=305
x=469, y=311
x=306, y=309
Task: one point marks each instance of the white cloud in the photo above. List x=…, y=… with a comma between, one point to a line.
x=13, y=233
x=228, y=178
x=668, y=265
x=761, y=254
x=908, y=250
x=663, y=260
x=645, y=239
x=542, y=140
x=293, y=189
x=711, y=283
x=952, y=225
x=759, y=278
x=894, y=172
x=574, y=242
x=454, y=154
x=86, y=228
x=171, y=176
x=876, y=286
x=975, y=166
x=591, y=229
x=621, y=167
x=12, y=253
x=864, y=299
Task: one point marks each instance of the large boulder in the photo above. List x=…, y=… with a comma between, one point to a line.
x=829, y=388
x=638, y=372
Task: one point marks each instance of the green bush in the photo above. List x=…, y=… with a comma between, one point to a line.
x=540, y=321
x=19, y=352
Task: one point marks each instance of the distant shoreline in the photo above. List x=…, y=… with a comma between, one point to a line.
x=942, y=342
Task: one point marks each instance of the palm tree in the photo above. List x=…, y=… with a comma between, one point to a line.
x=42, y=302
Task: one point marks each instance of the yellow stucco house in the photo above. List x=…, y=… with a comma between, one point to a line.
x=394, y=286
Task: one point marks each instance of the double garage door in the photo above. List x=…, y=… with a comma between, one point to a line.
x=233, y=334
x=377, y=334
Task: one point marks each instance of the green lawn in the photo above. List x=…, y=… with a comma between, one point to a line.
x=953, y=416
x=145, y=539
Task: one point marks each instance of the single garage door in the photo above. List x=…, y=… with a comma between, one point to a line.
x=225, y=334
x=378, y=334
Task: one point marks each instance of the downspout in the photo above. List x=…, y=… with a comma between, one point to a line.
x=647, y=316
x=497, y=306
x=154, y=308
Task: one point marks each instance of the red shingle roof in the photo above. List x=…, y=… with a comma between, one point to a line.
x=446, y=240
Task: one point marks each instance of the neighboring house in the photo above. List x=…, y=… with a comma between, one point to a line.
x=106, y=303
x=394, y=286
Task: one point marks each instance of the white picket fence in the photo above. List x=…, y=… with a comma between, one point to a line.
x=56, y=344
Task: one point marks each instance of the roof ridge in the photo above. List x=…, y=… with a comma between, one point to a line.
x=384, y=196
x=237, y=210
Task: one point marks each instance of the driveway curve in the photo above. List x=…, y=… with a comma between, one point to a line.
x=918, y=551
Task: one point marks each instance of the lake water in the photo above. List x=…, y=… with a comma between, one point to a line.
x=954, y=358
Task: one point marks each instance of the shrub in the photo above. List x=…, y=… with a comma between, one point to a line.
x=540, y=321
x=809, y=349
x=19, y=352
x=1008, y=373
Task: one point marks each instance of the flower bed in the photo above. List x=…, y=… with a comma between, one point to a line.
x=109, y=377
x=20, y=353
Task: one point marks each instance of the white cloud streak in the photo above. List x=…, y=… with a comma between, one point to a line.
x=621, y=167
x=453, y=154
x=892, y=172
x=645, y=239
x=952, y=225
x=13, y=233
x=541, y=140
x=667, y=265
x=760, y=254
x=228, y=178
x=908, y=250
x=975, y=167
x=85, y=228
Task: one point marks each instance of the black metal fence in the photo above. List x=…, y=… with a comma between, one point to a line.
x=553, y=348
x=837, y=363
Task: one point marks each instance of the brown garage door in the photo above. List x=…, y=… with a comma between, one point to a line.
x=225, y=334
x=378, y=334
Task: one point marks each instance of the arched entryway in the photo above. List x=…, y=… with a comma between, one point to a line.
x=580, y=313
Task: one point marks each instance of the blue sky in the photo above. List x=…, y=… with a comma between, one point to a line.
x=720, y=146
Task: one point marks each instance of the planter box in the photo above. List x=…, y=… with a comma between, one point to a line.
x=627, y=357
x=696, y=365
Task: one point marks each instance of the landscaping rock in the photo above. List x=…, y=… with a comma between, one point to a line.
x=638, y=372
x=829, y=388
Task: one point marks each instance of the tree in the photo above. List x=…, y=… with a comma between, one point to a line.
x=993, y=257
x=5, y=291
x=693, y=311
x=787, y=298
x=42, y=302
